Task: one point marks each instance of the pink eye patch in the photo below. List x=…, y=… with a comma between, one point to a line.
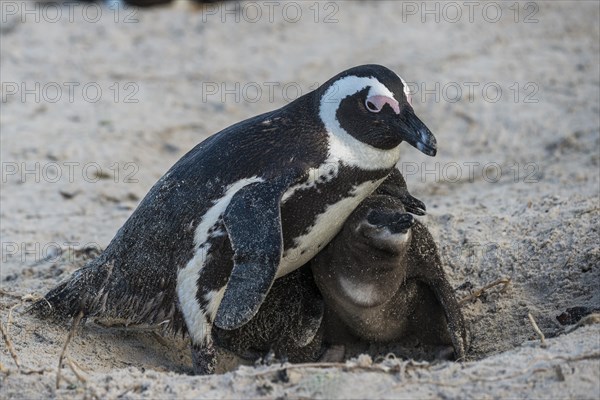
x=376, y=103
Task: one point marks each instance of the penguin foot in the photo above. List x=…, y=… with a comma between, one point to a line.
x=204, y=359
x=267, y=359
x=271, y=358
x=334, y=353
x=445, y=353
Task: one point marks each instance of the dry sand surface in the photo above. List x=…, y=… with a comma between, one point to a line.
x=513, y=192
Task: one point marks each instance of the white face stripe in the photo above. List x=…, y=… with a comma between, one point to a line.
x=349, y=85
x=407, y=91
x=343, y=146
x=187, y=277
x=406, y=87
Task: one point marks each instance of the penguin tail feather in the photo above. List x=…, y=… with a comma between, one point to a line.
x=85, y=291
x=99, y=291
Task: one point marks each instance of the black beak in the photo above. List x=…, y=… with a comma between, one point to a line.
x=415, y=133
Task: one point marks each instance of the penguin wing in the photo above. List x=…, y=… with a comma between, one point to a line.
x=253, y=222
x=426, y=259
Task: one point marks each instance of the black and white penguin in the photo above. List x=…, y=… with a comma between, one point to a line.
x=380, y=280
x=248, y=205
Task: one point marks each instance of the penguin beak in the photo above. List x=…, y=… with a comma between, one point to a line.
x=415, y=133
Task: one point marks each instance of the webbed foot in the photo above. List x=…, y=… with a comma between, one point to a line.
x=204, y=359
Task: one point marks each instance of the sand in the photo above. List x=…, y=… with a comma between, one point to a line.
x=512, y=194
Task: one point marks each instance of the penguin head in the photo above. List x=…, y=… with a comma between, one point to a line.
x=367, y=262
x=373, y=105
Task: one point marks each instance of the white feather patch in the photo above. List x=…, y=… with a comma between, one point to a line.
x=361, y=293
x=187, y=278
x=325, y=227
x=396, y=239
x=214, y=300
x=324, y=173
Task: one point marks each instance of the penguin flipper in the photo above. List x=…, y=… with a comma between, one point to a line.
x=289, y=322
x=456, y=325
x=429, y=264
x=253, y=222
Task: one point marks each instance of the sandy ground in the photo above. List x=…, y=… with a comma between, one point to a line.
x=513, y=192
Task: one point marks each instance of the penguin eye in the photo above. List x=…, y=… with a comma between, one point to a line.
x=371, y=106
x=376, y=103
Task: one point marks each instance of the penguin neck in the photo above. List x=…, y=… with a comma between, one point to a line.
x=351, y=152
x=347, y=285
x=344, y=147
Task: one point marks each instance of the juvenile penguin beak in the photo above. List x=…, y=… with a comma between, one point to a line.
x=415, y=133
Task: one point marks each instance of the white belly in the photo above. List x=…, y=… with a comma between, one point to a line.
x=326, y=226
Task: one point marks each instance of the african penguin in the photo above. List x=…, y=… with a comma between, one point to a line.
x=382, y=280
x=379, y=280
x=249, y=204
